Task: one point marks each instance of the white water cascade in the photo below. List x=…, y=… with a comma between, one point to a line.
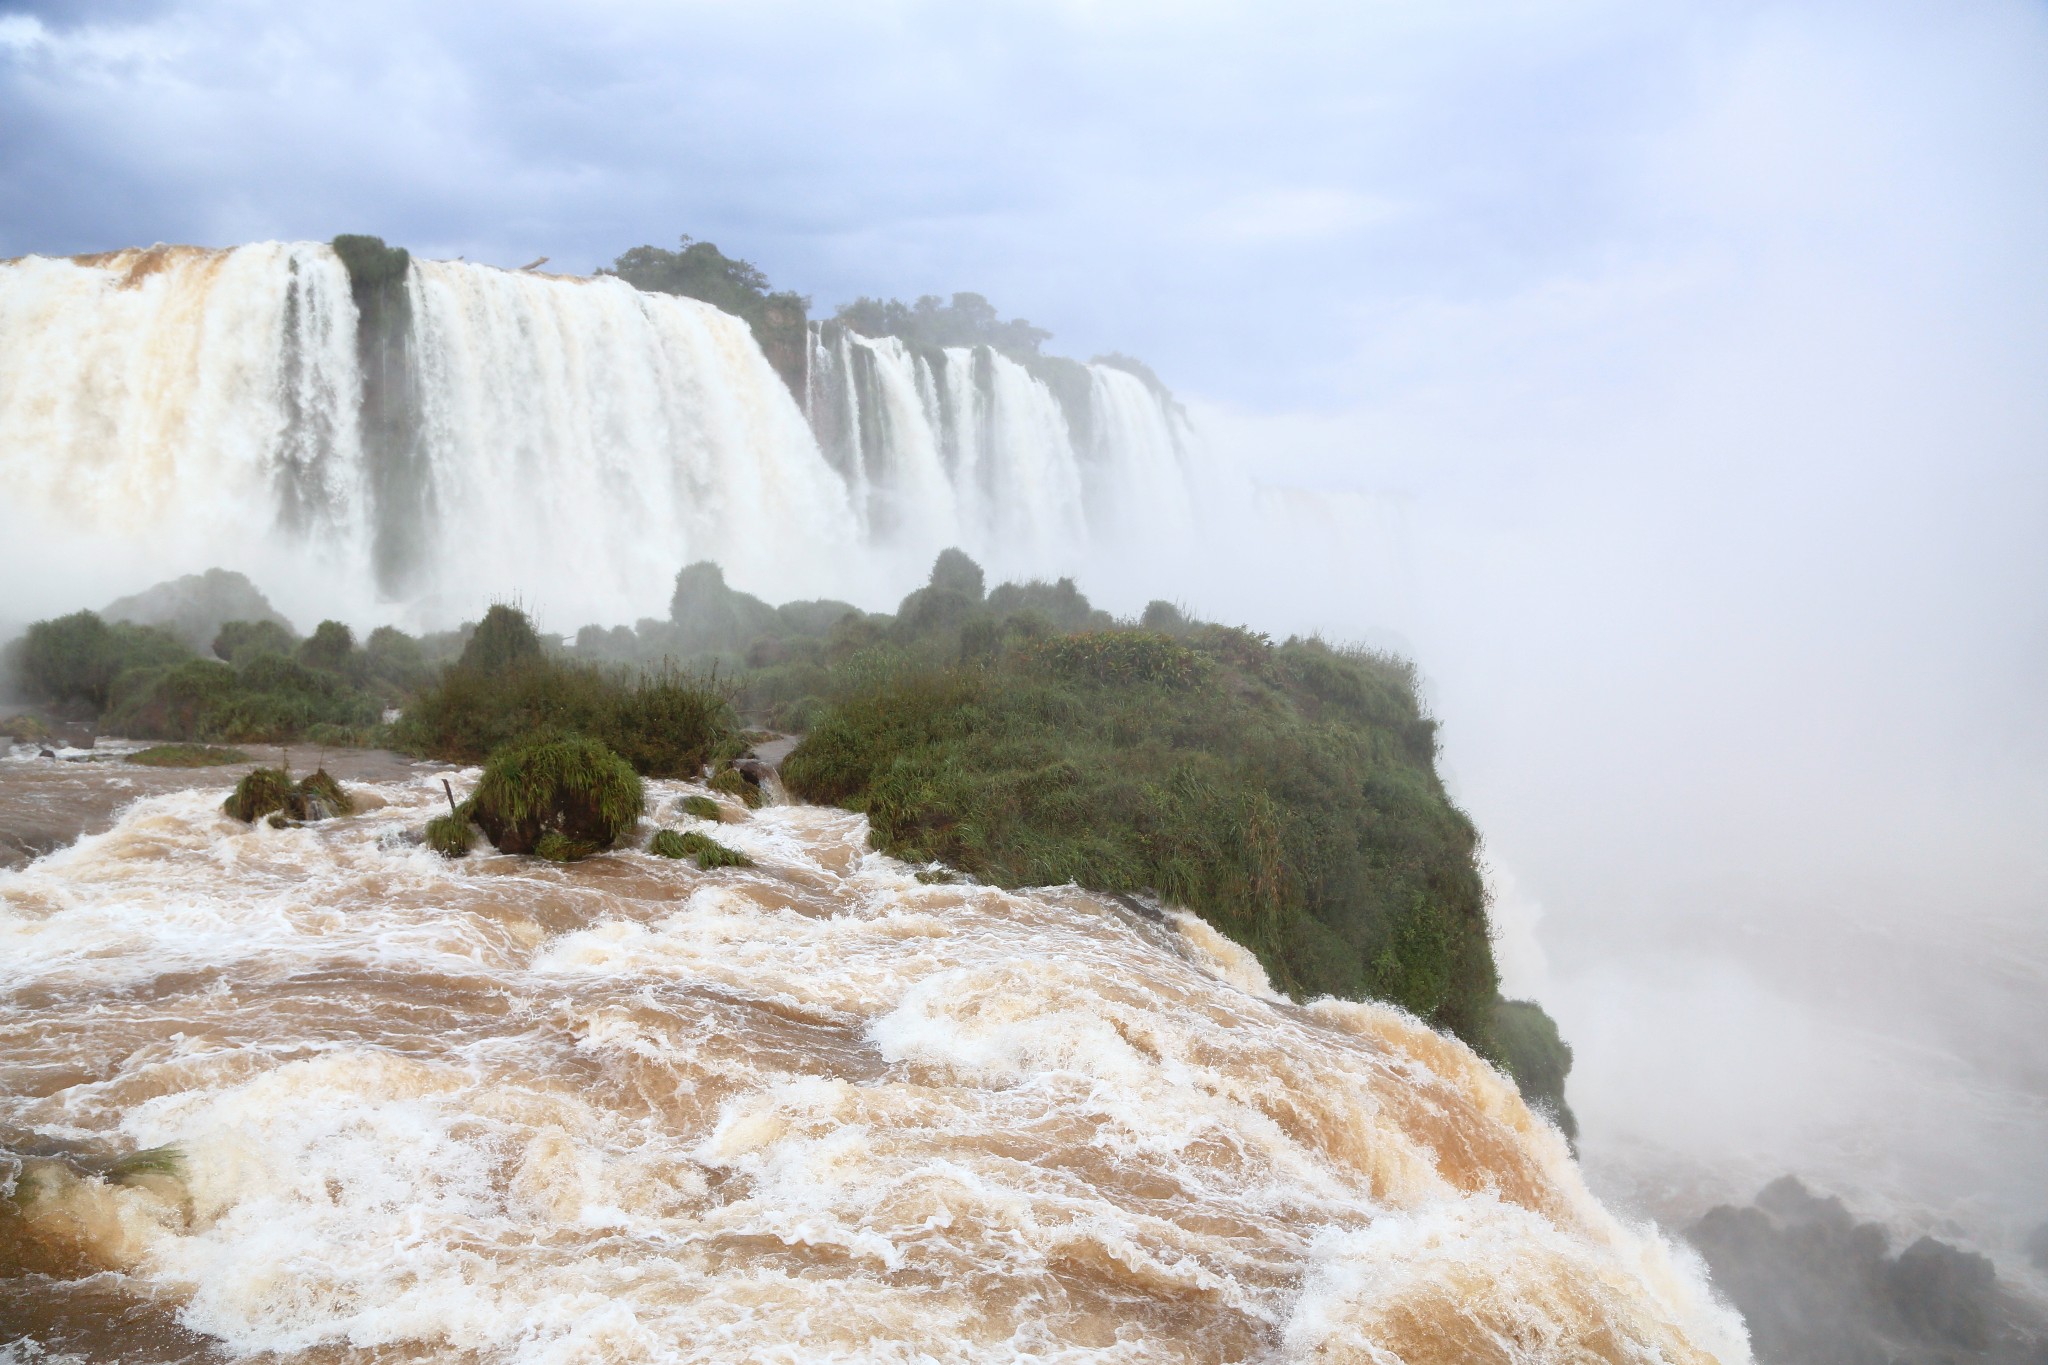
x=571, y=442
x=965, y=445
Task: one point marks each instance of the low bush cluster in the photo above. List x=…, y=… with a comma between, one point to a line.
x=271, y=791
x=505, y=688
x=562, y=797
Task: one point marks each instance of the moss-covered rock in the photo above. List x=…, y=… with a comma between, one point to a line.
x=703, y=808
x=734, y=783
x=568, y=786
x=271, y=791
x=259, y=793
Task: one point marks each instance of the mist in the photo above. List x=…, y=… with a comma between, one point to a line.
x=1666, y=380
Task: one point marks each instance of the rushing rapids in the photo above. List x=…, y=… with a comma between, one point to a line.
x=816, y=1109
x=570, y=439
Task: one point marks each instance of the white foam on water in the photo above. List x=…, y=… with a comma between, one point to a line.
x=813, y=1109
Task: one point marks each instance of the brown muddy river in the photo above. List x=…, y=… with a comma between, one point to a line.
x=627, y=1110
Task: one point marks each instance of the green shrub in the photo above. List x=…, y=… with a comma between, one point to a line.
x=504, y=640
x=332, y=648
x=668, y=723
x=394, y=661
x=258, y=794
x=187, y=756
x=269, y=699
x=572, y=787
x=78, y=659
x=1537, y=1057
x=709, y=853
x=238, y=641
x=1120, y=656
x=664, y=722
x=271, y=791
x=25, y=729
x=703, y=807
x=556, y=847
x=732, y=783
x=452, y=835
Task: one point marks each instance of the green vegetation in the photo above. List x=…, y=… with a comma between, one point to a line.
x=165, y=1161
x=25, y=729
x=733, y=782
x=451, y=835
x=271, y=791
x=262, y=684
x=238, y=641
x=1285, y=792
x=76, y=660
x=187, y=756
x=504, y=688
x=703, y=807
x=268, y=699
x=1537, y=1057
x=969, y=320
x=371, y=264
x=699, y=270
x=708, y=852
x=571, y=788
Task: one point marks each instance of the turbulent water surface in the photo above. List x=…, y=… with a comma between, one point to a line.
x=816, y=1109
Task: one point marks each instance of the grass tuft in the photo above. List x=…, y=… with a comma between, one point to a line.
x=452, y=835
x=572, y=787
x=703, y=807
x=187, y=756
x=708, y=852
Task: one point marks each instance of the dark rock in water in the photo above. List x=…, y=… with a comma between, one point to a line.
x=1820, y=1288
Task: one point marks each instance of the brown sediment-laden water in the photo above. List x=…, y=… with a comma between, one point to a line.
x=396, y=1108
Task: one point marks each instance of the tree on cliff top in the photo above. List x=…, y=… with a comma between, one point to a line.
x=969, y=320
x=699, y=270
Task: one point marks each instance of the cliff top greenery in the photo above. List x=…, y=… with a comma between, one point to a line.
x=968, y=320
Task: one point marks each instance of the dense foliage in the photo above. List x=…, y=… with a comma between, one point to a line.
x=563, y=797
x=264, y=686
x=968, y=320
x=699, y=270
x=74, y=661
x=505, y=688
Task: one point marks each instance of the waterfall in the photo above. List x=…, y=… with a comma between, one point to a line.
x=472, y=432
x=181, y=396
x=969, y=446
x=587, y=439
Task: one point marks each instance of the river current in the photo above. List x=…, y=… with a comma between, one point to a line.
x=816, y=1109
